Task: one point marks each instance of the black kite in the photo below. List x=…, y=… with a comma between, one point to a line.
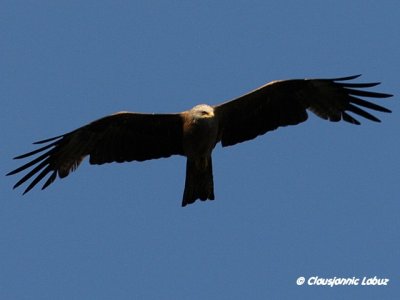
x=127, y=136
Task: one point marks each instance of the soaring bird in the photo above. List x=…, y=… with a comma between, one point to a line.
x=130, y=136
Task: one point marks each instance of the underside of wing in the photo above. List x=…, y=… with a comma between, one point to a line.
x=120, y=137
x=283, y=103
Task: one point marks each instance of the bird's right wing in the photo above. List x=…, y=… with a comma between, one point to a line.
x=120, y=137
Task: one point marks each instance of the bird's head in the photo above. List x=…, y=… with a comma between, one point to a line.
x=202, y=111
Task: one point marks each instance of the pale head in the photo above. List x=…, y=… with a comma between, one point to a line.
x=202, y=111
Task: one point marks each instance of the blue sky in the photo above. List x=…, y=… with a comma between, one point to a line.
x=318, y=199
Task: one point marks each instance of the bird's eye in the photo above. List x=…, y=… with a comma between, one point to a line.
x=204, y=113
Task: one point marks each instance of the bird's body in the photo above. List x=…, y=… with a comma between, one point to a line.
x=200, y=135
x=200, y=131
x=194, y=133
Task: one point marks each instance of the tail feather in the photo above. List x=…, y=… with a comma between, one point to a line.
x=199, y=182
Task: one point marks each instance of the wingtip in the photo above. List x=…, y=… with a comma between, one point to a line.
x=347, y=78
x=375, y=119
x=28, y=188
x=19, y=156
x=48, y=140
x=384, y=95
x=17, y=185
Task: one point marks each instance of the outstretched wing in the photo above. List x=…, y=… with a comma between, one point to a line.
x=282, y=103
x=116, y=138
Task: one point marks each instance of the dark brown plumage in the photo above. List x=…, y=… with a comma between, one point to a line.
x=126, y=136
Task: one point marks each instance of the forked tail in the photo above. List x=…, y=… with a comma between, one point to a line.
x=199, y=180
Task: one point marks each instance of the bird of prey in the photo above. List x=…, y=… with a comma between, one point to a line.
x=130, y=136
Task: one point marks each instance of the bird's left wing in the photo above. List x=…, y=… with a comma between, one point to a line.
x=116, y=138
x=283, y=103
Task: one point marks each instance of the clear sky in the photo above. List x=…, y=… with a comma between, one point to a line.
x=318, y=199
